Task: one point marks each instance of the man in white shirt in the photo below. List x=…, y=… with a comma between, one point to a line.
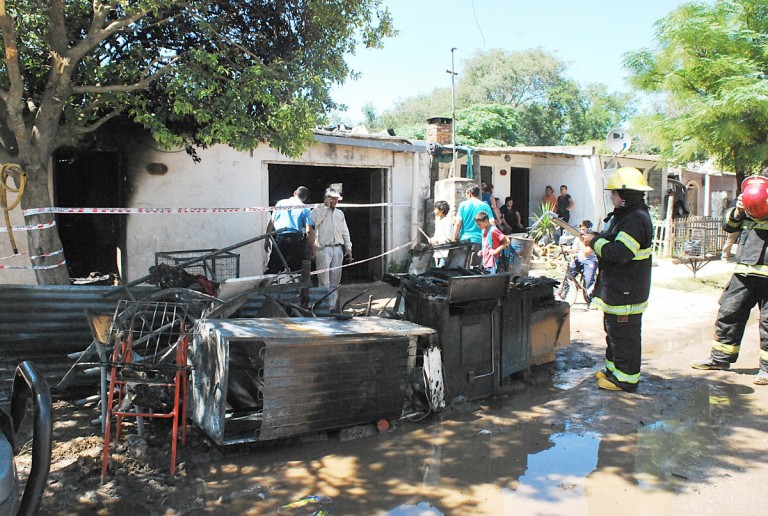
x=332, y=242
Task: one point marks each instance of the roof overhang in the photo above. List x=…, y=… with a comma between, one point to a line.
x=371, y=142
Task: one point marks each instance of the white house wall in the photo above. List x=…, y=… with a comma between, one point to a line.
x=582, y=175
x=229, y=178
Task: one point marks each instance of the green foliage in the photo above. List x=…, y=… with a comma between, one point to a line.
x=516, y=98
x=489, y=124
x=194, y=73
x=542, y=224
x=710, y=63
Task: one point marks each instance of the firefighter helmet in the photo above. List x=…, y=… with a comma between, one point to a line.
x=627, y=178
x=754, y=196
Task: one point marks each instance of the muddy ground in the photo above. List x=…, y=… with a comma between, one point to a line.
x=687, y=442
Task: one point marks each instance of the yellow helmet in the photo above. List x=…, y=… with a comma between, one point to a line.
x=627, y=178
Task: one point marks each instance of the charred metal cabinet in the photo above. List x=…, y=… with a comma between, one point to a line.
x=468, y=325
x=261, y=379
x=516, y=332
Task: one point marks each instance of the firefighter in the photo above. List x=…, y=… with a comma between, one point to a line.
x=624, y=280
x=749, y=284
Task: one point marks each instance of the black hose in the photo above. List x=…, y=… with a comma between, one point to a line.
x=28, y=381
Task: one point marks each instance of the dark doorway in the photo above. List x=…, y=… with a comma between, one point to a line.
x=519, y=186
x=88, y=179
x=358, y=186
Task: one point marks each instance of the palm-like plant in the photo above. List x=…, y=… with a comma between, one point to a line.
x=541, y=224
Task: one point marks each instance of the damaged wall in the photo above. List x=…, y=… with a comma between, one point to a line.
x=229, y=178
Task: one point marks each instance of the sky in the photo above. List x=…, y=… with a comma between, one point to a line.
x=590, y=36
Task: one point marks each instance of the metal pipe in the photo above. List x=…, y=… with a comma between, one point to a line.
x=414, y=197
x=493, y=351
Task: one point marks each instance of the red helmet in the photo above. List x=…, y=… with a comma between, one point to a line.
x=754, y=196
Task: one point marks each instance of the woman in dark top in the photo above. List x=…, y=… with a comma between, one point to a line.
x=510, y=217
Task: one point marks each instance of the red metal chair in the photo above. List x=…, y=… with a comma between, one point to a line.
x=148, y=370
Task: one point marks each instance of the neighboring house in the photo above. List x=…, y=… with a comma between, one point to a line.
x=708, y=189
x=367, y=169
x=524, y=172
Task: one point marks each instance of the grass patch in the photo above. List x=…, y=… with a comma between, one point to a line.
x=698, y=284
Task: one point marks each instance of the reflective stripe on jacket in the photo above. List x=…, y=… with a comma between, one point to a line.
x=624, y=259
x=751, y=257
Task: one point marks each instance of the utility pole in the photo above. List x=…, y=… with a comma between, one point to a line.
x=453, y=110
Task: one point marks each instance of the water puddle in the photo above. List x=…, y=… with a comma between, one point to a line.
x=659, y=346
x=554, y=481
x=468, y=464
x=570, y=378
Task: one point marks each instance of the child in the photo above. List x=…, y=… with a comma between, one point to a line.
x=443, y=231
x=494, y=242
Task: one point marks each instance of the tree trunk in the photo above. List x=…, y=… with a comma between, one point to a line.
x=50, y=270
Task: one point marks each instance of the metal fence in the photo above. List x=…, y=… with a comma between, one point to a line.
x=689, y=236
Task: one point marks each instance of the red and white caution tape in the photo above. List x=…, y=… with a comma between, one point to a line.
x=407, y=244
x=31, y=227
x=60, y=251
x=174, y=211
x=34, y=267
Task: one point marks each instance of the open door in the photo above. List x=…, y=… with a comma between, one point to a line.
x=88, y=179
x=519, y=186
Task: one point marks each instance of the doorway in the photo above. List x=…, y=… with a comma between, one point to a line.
x=357, y=186
x=519, y=185
x=692, y=198
x=88, y=179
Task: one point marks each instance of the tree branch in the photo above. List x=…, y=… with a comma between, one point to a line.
x=58, y=28
x=85, y=129
x=118, y=88
x=13, y=97
x=98, y=33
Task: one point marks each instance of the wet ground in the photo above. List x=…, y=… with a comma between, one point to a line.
x=687, y=442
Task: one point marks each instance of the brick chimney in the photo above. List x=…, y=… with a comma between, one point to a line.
x=439, y=130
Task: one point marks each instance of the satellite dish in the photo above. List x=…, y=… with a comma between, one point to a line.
x=618, y=140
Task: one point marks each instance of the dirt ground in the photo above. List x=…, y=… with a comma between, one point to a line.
x=687, y=442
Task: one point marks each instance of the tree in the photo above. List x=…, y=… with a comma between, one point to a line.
x=489, y=124
x=541, y=105
x=710, y=63
x=512, y=78
x=193, y=72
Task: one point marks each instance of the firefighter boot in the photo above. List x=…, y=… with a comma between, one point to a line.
x=710, y=364
x=605, y=383
x=610, y=383
x=601, y=373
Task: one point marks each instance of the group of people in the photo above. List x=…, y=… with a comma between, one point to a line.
x=320, y=234
x=620, y=257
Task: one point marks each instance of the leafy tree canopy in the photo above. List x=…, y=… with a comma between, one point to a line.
x=193, y=72
x=710, y=62
x=519, y=98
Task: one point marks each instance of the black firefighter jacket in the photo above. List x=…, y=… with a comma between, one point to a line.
x=624, y=258
x=751, y=256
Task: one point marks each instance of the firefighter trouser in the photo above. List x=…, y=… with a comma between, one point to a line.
x=741, y=294
x=624, y=347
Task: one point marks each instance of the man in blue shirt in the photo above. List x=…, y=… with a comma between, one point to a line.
x=292, y=242
x=466, y=228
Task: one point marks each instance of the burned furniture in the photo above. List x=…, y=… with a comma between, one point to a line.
x=465, y=311
x=148, y=370
x=262, y=379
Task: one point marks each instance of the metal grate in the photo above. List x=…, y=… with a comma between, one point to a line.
x=697, y=236
x=217, y=268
